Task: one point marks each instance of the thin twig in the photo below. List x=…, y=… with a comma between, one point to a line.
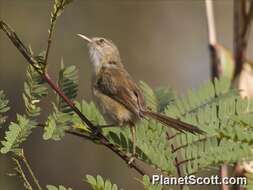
x=22, y=174
x=214, y=66
x=175, y=160
x=36, y=181
x=242, y=26
x=50, y=33
x=210, y=22
x=212, y=39
x=30, y=59
x=110, y=146
x=224, y=174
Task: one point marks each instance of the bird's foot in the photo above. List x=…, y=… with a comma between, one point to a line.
x=131, y=160
x=99, y=128
x=96, y=132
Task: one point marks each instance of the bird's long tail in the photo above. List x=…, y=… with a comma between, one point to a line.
x=174, y=123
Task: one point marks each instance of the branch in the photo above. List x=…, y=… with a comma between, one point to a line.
x=212, y=39
x=30, y=59
x=214, y=67
x=110, y=146
x=242, y=26
x=223, y=174
x=21, y=173
x=50, y=32
x=22, y=156
x=210, y=22
x=175, y=160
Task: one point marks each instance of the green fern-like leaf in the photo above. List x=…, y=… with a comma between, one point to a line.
x=149, y=96
x=34, y=91
x=91, y=112
x=59, y=6
x=68, y=83
x=17, y=134
x=148, y=185
x=217, y=110
x=60, y=187
x=3, y=107
x=99, y=183
x=56, y=125
x=165, y=96
x=58, y=122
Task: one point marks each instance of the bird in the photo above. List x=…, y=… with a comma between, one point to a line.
x=117, y=96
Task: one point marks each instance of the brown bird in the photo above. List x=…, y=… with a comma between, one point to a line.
x=117, y=96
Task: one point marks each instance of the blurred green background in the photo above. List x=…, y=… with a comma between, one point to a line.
x=162, y=42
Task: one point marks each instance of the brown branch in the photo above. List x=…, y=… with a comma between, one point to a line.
x=210, y=22
x=212, y=39
x=185, y=145
x=25, y=161
x=242, y=26
x=50, y=32
x=215, y=64
x=110, y=146
x=31, y=60
x=175, y=160
x=223, y=174
x=21, y=173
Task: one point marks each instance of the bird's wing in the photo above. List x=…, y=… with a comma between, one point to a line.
x=118, y=85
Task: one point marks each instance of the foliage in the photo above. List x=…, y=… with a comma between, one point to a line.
x=99, y=183
x=56, y=125
x=149, y=96
x=34, y=91
x=59, y=6
x=68, y=83
x=164, y=96
x=52, y=187
x=219, y=111
x=148, y=185
x=90, y=111
x=216, y=109
x=3, y=107
x=17, y=134
x=62, y=118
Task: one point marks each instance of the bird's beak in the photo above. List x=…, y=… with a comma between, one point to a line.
x=84, y=37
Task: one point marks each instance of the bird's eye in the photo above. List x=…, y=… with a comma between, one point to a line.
x=101, y=40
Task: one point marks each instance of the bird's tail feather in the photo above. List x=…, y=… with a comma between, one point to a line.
x=174, y=123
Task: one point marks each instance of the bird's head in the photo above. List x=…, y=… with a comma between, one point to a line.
x=103, y=52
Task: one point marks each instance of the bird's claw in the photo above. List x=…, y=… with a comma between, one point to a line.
x=98, y=129
x=131, y=160
x=96, y=132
